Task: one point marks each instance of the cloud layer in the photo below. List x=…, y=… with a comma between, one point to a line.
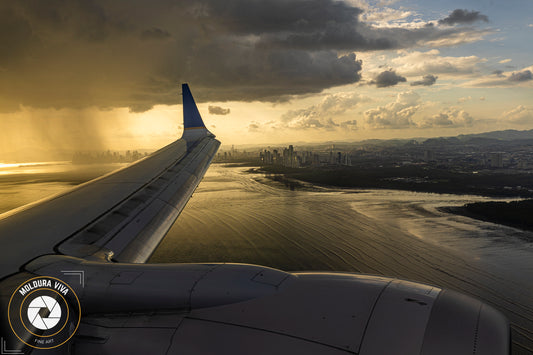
x=459, y=16
x=134, y=54
x=417, y=63
x=499, y=78
x=321, y=116
x=521, y=76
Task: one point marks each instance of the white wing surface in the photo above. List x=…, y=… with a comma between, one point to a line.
x=122, y=215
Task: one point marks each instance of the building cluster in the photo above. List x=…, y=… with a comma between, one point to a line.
x=466, y=155
x=107, y=157
x=487, y=160
x=290, y=158
x=496, y=160
x=234, y=155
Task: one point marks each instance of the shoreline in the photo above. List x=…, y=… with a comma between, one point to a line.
x=325, y=179
x=493, y=212
x=505, y=215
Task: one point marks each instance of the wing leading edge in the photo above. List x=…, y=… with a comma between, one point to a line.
x=123, y=215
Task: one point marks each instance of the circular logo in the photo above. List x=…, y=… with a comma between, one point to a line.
x=44, y=312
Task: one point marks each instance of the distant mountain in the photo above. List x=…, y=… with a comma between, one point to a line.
x=486, y=138
x=480, y=140
x=506, y=135
x=440, y=141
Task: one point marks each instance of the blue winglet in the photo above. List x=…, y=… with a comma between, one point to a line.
x=191, y=116
x=193, y=125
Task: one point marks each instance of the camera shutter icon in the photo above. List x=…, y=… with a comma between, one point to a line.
x=44, y=312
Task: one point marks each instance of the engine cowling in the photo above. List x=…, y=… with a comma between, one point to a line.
x=243, y=309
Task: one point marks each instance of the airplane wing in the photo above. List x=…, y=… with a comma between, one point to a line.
x=72, y=280
x=122, y=215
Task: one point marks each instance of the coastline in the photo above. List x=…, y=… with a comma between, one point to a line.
x=513, y=214
x=502, y=213
x=414, y=179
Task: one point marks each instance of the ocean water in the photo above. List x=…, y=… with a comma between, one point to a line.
x=25, y=183
x=235, y=216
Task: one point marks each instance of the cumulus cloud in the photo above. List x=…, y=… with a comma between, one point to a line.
x=427, y=80
x=383, y=16
x=459, y=16
x=320, y=115
x=79, y=53
x=520, y=114
x=397, y=114
x=217, y=110
x=503, y=61
x=387, y=78
x=525, y=75
x=452, y=117
x=340, y=102
x=382, y=3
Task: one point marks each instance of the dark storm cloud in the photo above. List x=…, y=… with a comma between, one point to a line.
x=155, y=33
x=459, y=16
x=275, y=16
x=525, y=75
x=427, y=80
x=217, y=110
x=387, y=78
x=117, y=53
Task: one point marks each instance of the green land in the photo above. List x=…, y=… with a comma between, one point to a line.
x=426, y=179
x=411, y=178
x=514, y=213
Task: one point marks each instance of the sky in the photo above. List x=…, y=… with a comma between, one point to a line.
x=106, y=74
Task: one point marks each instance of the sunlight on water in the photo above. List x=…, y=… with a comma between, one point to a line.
x=23, y=183
x=32, y=168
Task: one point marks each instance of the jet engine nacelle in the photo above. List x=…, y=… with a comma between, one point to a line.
x=245, y=309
